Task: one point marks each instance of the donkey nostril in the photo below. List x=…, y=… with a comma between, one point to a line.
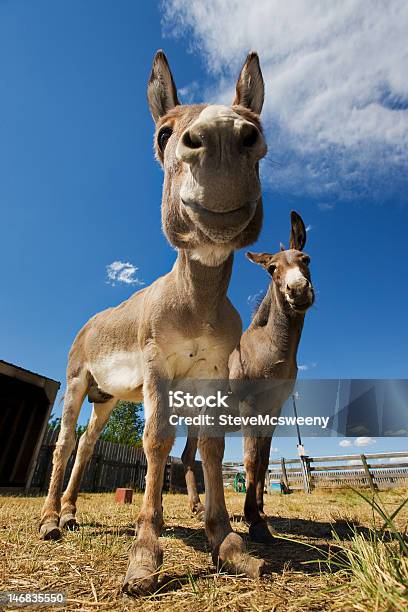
x=250, y=136
x=192, y=141
x=288, y=289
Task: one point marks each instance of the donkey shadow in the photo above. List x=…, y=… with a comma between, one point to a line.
x=344, y=530
x=306, y=557
x=97, y=529
x=278, y=556
x=341, y=529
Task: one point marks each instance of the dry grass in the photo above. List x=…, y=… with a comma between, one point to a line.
x=89, y=564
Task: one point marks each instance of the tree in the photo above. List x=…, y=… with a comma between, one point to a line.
x=125, y=425
x=55, y=422
x=80, y=429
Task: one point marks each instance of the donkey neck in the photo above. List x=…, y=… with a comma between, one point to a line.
x=200, y=285
x=283, y=327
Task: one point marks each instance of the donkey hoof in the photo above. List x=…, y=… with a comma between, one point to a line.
x=50, y=531
x=198, y=512
x=261, y=532
x=252, y=567
x=139, y=582
x=231, y=557
x=68, y=522
x=142, y=574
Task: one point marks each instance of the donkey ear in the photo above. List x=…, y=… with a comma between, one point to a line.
x=282, y=247
x=259, y=258
x=250, y=88
x=297, y=232
x=161, y=89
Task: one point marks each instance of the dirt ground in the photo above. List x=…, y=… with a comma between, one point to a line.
x=89, y=564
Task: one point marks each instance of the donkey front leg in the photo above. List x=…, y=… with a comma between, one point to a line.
x=146, y=555
x=258, y=527
x=99, y=418
x=188, y=459
x=74, y=396
x=227, y=546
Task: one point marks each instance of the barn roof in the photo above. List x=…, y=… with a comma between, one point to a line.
x=14, y=371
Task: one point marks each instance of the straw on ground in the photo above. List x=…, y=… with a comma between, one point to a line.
x=88, y=565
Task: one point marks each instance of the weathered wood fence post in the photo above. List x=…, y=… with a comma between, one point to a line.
x=368, y=474
x=284, y=475
x=306, y=473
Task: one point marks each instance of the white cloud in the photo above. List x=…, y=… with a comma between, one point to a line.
x=336, y=106
x=188, y=93
x=122, y=272
x=274, y=450
x=325, y=206
x=364, y=441
x=361, y=441
x=307, y=366
x=309, y=228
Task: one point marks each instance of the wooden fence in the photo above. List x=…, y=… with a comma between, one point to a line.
x=116, y=465
x=111, y=465
x=374, y=470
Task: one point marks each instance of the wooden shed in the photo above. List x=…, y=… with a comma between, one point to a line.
x=26, y=401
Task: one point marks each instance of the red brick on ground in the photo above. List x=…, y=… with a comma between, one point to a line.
x=124, y=496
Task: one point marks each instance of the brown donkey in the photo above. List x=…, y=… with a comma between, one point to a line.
x=268, y=350
x=183, y=325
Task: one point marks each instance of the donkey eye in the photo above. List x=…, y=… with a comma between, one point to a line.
x=163, y=137
x=306, y=259
x=271, y=269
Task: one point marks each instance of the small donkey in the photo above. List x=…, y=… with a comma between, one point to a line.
x=267, y=350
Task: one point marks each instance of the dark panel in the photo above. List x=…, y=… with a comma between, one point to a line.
x=23, y=408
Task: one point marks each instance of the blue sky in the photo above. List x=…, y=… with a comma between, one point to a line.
x=79, y=187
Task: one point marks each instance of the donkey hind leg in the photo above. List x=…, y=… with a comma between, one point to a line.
x=251, y=462
x=188, y=459
x=99, y=417
x=265, y=449
x=74, y=396
x=227, y=546
x=254, y=450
